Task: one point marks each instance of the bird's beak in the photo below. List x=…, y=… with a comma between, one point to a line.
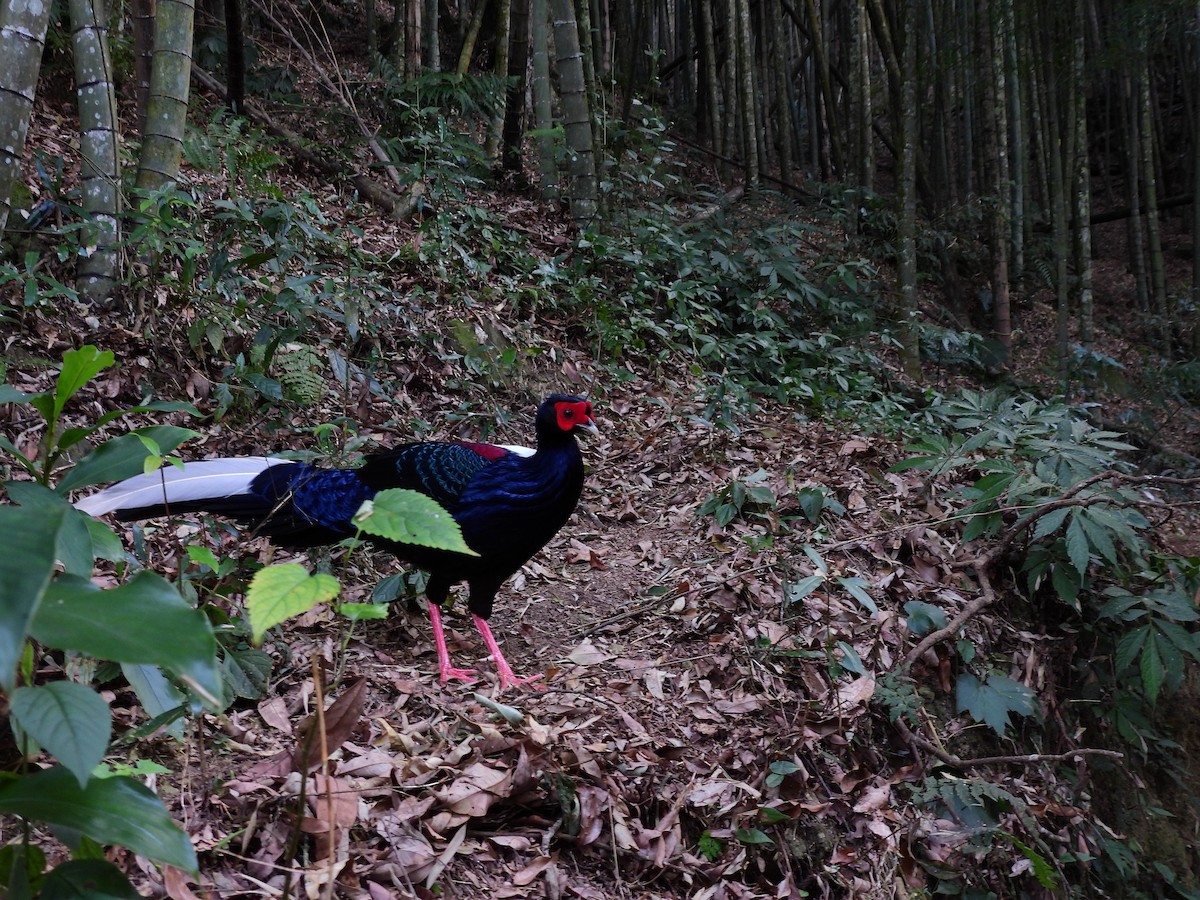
x=589, y=427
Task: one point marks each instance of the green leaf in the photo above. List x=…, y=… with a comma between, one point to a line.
x=124, y=456
x=78, y=368
x=1050, y=522
x=69, y=720
x=73, y=545
x=1128, y=648
x=753, y=836
x=1154, y=671
x=924, y=617
x=812, y=501
x=857, y=589
x=87, y=879
x=769, y=815
x=21, y=865
x=142, y=621
x=1042, y=870
x=802, y=588
x=156, y=694
x=358, y=612
x=9, y=394
x=411, y=518
x=117, y=810
x=247, y=671
x=1077, y=546
x=28, y=561
x=991, y=701
x=277, y=593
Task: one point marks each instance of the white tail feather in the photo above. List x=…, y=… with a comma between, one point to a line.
x=201, y=480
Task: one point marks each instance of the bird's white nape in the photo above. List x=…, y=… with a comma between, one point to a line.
x=518, y=450
x=200, y=480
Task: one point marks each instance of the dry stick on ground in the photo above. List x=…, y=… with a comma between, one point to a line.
x=399, y=207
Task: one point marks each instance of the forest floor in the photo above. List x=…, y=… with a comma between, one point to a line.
x=695, y=733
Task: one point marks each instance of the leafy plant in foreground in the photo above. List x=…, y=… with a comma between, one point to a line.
x=47, y=597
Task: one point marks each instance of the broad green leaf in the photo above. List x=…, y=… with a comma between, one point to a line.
x=247, y=671
x=802, y=588
x=87, y=879
x=359, y=612
x=388, y=589
x=1066, y=582
x=857, y=589
x=123, y=456
x=9, y=394
x=1050, y=522
x=784, y=767
x=142, y=621
x=411, y=518
x=991, y=701
x=156, y=694
x=277, y=593
x=816, y=559
x=73, y=546
x=69, y=720
x=1154, y=671
x=26, y=565
x=772, y=816
x=924, y=617
x=117, y=810
x=1077, y=545
x=1128, y=648
x=753, y=836
x=21, y=865
x=812, y=501
x=979, y=525
x=78, y=368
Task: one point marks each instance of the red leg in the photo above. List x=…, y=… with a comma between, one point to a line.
x=439, y=639
x=502, y=667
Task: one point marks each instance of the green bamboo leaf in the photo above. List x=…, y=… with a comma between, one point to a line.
x=69, y=720
x=26, y=565
x=411, y=518
x=156, y=694
x=277, y=593
x=93, y=879
x=124, y=456
x=78, y=368
x=119, y=810
x=753, y=836
x=857, y=589
x=142, y=621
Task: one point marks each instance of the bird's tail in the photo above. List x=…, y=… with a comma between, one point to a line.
x=211, y=485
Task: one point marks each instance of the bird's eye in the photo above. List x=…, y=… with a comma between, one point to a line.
x=568, y=413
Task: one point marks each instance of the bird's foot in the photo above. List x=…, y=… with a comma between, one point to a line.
x=503, y=669
x=508, y=679
x=450, y=673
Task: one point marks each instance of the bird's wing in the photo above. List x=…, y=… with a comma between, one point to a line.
x=438, y=470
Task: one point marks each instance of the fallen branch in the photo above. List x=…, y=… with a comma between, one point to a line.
x=1027, y=759
x=399, y=206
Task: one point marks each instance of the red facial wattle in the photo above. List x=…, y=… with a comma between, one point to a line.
x=575, y=415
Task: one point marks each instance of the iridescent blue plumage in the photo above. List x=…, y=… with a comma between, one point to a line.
x=508, y=505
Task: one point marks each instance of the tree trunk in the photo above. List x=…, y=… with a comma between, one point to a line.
x=166, y=112
x=542, y=101
x=712, y=84
x=22, y=36
x=1082, y=188
x=430, y=38
x=99, y=146
x=745, y=70
x=577, y=117
x=500, y=68
x=1158, y=284
x=910, y=347
x=235, y=58
x=143, y=56
x=995, y=159
x=514, y=107
x=468, y=46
